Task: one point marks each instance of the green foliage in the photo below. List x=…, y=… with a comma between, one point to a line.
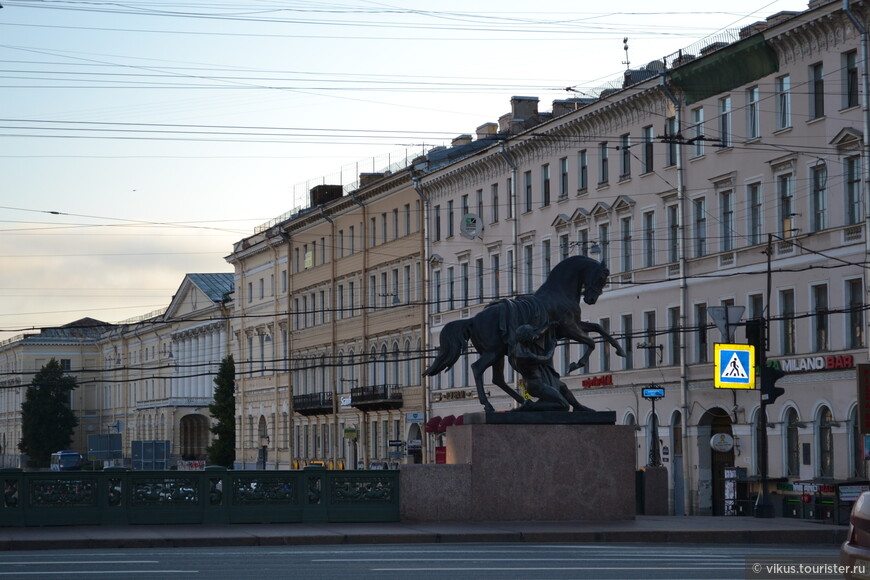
x=222, y=450
x=47, y=422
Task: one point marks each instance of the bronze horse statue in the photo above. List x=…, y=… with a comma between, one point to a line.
x=556, y=302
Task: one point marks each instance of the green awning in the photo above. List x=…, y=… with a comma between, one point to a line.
x=735, y=65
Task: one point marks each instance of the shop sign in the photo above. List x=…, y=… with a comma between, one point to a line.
x=602, y=381
x=414, y=418
x=350, y=432
x=722, y=442
x=345, y=402
x=814, y=363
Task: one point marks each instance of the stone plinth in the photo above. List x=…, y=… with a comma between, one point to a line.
x=526, y=473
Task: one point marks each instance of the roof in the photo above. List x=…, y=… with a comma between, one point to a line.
x=216, y=286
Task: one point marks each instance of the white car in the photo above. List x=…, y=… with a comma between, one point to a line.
x=855, y=551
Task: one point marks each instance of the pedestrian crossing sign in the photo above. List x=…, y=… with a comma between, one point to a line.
x=735, y=366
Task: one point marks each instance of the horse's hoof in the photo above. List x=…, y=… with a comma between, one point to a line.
x=488, y=409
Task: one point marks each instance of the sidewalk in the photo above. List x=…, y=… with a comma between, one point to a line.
x=648, y=529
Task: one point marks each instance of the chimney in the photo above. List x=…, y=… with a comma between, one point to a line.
x=464, y=139
x=504, y=123
x=524, y=108
x=321, y=194
x=369, y=178
x=487, y=130
x=565, y=106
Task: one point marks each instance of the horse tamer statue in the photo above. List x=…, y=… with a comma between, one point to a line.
x=526, y=329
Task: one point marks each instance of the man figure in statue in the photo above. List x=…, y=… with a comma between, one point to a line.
x=532, y=357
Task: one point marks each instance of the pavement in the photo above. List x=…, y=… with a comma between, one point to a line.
x=646, y=529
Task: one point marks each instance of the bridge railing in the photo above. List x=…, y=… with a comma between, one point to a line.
x=215, y=495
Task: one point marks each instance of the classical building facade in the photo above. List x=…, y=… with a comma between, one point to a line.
x=728, y=177
x=328, y=330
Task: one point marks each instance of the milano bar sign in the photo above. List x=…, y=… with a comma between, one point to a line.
x=814, y=363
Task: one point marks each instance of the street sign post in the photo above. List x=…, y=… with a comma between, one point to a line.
x=734, y=366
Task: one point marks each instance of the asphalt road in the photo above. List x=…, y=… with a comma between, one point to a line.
x=422, y=562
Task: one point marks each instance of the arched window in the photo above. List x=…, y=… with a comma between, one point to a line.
x=790, y=440
x=856, y=448
x=396, y=375
x=339, y=371
x=652, y=440
x=825, y=443
x=351, y=368
x=384, y=366
x=409, y=365
x=757, y=439
x=373, y=366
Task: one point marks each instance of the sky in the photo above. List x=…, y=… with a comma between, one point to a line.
x=140, y=140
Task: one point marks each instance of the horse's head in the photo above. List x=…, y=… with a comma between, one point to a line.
x=594, y=282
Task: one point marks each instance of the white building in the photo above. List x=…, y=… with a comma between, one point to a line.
x=731, y=176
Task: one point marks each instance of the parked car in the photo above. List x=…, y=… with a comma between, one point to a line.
x=855, y=551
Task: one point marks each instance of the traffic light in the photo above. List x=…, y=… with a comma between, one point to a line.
x=769, y=390
x=755, y=335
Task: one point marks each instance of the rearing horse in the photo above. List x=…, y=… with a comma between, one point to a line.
x=492, y=329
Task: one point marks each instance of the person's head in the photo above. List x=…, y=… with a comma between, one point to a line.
x=526, y=333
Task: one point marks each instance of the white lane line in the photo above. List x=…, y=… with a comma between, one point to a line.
x=116, y=572
x=553, y=569
x=58, y=562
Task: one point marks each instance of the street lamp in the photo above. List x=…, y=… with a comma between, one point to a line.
x=652, y=394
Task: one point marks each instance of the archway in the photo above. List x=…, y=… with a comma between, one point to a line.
x=194, y=437
x=712, y=463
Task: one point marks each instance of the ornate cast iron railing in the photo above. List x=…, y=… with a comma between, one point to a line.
x=118, y=496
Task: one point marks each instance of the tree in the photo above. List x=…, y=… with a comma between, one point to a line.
x=222, y=450
x=47, y=422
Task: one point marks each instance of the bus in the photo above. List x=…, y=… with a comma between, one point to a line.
x=66, y=461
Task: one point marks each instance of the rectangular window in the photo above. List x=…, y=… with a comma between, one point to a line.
x=582, y=171
x=753, y=117
x=373, y=226
x=819, y=199
x=626, y=244
x=725, y=122
x=754, y=202
x=396, y=224
x=564, y=247
x=602, y=163
x=480, y=205
x=671, y=139
x=407, y=219
x=436, y=290
x=528, y=254
x=648, y=140
x=340, y=299
x=697, y=132
x=820, y=317
x=783, y=102
x=437, y=219
x=786, y=313
x=756, y=306
x=627, y=335
x=605, y=346
x=495, y=285
x=625, y=156
x=673, y=233
x=546, y=258
x=464, y=205
x=726, y=219
x=583, y=242
x=464, y=283
x=649, y=239
x=480, y=278
x=511, y=198
x=604, y=242
x=563, y=178
x=850, y=79
x=373, y=291
x=699, y=207
x=351, y=239
x=855, y=313
x=527, y=191
x=701, y=346
x=250, y=292
x=451, y=289
x=407, y=284
x=512, y=270
x=652, y=354
x=493, y=191
x=853, y=191
x=817, y=91
x=674, y=334
x=450, y=219
x=545, y=185
x=785, y=192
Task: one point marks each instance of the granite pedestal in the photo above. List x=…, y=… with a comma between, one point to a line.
x=526, y=472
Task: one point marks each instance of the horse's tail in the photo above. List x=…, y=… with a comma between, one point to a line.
x=454, y=336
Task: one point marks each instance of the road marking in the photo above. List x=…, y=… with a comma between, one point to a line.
x=116, y=572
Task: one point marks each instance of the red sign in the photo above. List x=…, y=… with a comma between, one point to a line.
x=602, y=381
x=441, y=454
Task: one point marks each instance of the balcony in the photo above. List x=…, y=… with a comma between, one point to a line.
x=376, y=398
x=313, y=404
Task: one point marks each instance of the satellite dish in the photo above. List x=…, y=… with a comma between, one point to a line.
x=471, y=227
